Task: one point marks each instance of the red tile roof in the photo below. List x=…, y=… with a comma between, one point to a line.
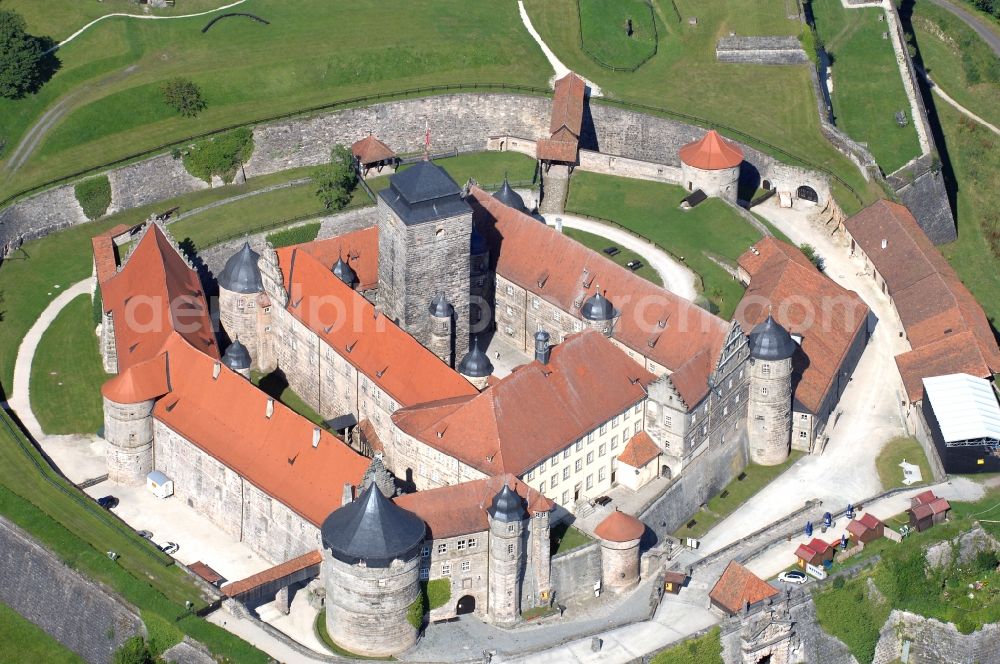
x=620, y=527
x=205, y=572
x=940, y=505
x=139, y=382
x=639, y=451
x=806, y=302
x=153, y=295
x=273, y=574
x=923, y=498
x=922, y=511
x=226, y=417
x=534, y=412
x=389, y=357
x=566, y=120
x=856, y=528
x=737, y=586
x=105, y=254
x=870, y=521
x=711, y=152
x=358, y=248
x=805, y=552
x=370, y=150
x=565, y=273
x=461, y=509
x=935, y=307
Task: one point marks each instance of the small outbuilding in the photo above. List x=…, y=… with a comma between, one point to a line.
x=159, y=484
x=737, y=588
x=639, y=462
x=817, y=552
x=963, y=417
x=673, y=582
x=866, y=529
x=374, y=157
x=926, y=509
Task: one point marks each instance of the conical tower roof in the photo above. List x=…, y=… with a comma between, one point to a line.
x=344, y=272
x=507, y=506
x=241, y=274
x=475, y=364
x=372, y=530
x=237, y=356
x=509, y=197
x=712, y=153
x=770, y=341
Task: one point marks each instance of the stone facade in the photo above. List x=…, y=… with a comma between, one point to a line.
x=575, y=573
x=238, y=313
x=619, y=565
x=463, y=560
x=932, y=641
x=769, y=411
x=149, y=181
x=128, y=430
x=761, y=50
x=366, y=607
x=422, y=465
x=507, y=544
x=721, y=183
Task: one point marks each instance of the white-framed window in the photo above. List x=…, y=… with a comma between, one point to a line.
x=554, y=461
x=534, y=303
x=579, y=445
x=541, y=486
x=590, y=481
x=566, y=453
x=577, y=326
x=667, y=421
x=541, y=466
x=442, y=548
x=566, y=473
x=554, y=481
x=511, y=527
x=565, y=497
x=579, y=465
x=460, y=545
x=466, y=565
x=803, y=416
x=802, y=434
x=614, y=421
x=765, y=368
x=614, y=443
x=425, y=551
x=637, y=408
x=590, y=458
x=737, y=398
x=763, y=390
x=510, y=289
x=603, y=449
x=590, y=437
x=509, y=330
x=473, y=542
x=636, y=428
x=425, y=573
x=725, y=410
x=530, y=476
x=510, y=310
x=601, y=474
x=510, y=549
x=445, y=569
x=604, y=429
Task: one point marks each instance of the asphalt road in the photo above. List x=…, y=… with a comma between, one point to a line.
x=974, y=22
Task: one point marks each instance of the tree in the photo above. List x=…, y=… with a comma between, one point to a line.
x=21, y=57
x=183, y=96
x=133, y=651
x=335, y=181
x=814, y=258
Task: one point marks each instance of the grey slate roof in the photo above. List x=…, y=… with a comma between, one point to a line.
x=344, y=272
x=424, y=192
x=372, y=529
x=241, y=274
x=507, y=506
x=441, y=307
x=237, y=356
x=509, y=197
x=475, y=364
x=770, y=341
x=597, y=307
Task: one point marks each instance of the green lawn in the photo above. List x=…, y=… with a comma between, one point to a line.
x=488, y=168
x=602, y=24
x=849, y=614
x=566, y=538
x=651, y=210
x=867, y=88
x=598, y=243
x=66, y=374
x=23, y=641
x=895, y=451
x=311, y=53
x=958, y=60
x=737, y=492
x=275, y=385
x=705, y=649
x=772, y=103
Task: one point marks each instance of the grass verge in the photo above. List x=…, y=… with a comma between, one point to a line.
x=623, y=257
x=324, y=637
x=706, y=649
x=603, y=33
x=276, y=386
x=23, y=641
x=895, y=451
x=565, y=537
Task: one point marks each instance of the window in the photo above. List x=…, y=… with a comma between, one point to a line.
x=759, y=418
x=604, y=430
x=466, y=565
x=534, y=303
x=667, y=421
x=637, y=408
x=510, y=310
x=590, y=437
x=636, y=428
x=590, y=457
x=445, y=569
x=601, y=474
x=578, y=446
x=460, y=545
x=603, y=449
x=763, y=390
x=614, y=444
x=737, y=398
x=530, y=476
x=803, y=416
x=473, y=543
x=510, y=289
x=577, y=326
x=565, y=497
x=590, y=481
x=614, y=421
x=566, y=473
x=555, y=460
x=442, y=548
x=510, y=549
x=579, y=465
x=425, y=551
x=541, y=486
x=511, y=527
x=541, y=466
x=425, y=573
x=566, y=453
x=554, y=481
x=765, y=368
x=802, y=434
x=509, y=330
x=725, y=410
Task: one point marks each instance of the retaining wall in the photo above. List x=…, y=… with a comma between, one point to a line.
x=935, y=642
x=574, y=573
x=760, y=50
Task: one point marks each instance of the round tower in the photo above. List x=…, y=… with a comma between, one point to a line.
x=345, y=272
x=476, y=366
x=507, y=517
x=599, y=313
x=128, y=429
x=769, y=407
x=442, y=316
x=237, y=358
x=240, y=286
x=712, y=164
x=620, y=535
x=371, y=555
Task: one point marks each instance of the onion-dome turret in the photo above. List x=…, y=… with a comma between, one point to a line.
x=441, y=307
x=344, y=272
x=241, y=274
x=237, y=357
x=507, y=506
x=770, y=341
x=509, y=197
x=475, y=364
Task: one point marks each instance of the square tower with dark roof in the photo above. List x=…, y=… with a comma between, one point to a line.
x=424, y=232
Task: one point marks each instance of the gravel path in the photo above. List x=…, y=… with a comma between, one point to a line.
x=557, y=65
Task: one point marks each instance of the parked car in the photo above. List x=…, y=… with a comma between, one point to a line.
x=108, y=502
x=144, y=534
x=603, y=500
x=611, y=251
x=633, y=265
x=170, y=548
x=793, y=576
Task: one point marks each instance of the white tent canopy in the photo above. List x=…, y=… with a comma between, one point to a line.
x=965, y=407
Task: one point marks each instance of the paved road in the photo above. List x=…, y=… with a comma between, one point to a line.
x=974, y=22
x=677, y=278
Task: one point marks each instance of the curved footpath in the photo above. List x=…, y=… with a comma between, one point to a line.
x=936, y=89
x=557, y=65
x=677, y=278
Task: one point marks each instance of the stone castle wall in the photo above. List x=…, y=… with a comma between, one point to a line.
x=574, y=573
x=76, y=612
x=760, y=50
x=932, y=641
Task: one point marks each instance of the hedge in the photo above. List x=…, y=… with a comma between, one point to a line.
x=296, y=235
x=94, y=196
x=221, y=155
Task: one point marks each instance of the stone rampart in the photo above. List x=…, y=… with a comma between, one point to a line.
x=927, y=199
x=760, y=50
x=76, y=612
x=149, y=181
x=935, y=642
x=574, y=573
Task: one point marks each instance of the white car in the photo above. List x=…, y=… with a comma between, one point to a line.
x=793, y=576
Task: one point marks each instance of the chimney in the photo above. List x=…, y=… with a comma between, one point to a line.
x=348, y=496
x=542, y=349
x=216, y=368
x=885, y=243
x=316, y=437
x=269, y=409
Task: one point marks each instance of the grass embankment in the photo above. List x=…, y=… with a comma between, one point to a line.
x=604, y=36
x=324, y=636
x=775, y=104
x=867, y=88
x=66, y=374
x=745, y=486
x=565, y=537
x=705, y=649
x=23, y=641
x=312, y=53
x=651, y=210
x=895, y=451
x=623, y=257
x=276, y=386
x=854, y=614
